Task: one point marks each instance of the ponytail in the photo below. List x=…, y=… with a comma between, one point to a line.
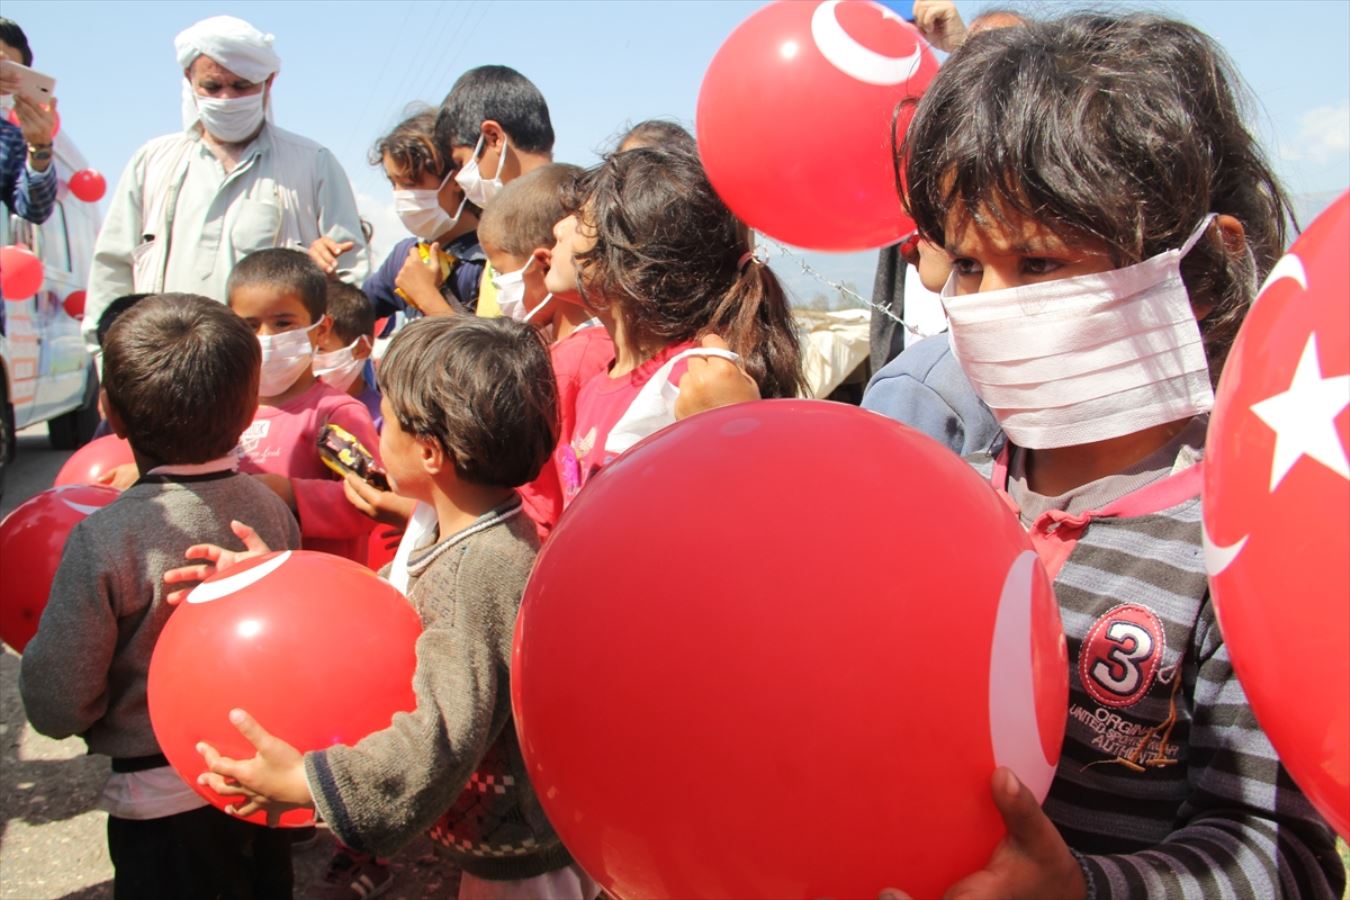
x=755, y=320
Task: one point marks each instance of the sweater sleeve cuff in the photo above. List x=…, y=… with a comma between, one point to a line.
x=1090, y=880
x=328, y=804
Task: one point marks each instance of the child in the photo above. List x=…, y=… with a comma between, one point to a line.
x=662, y=262
x=343, y=358
x=1071, y=168
x=657, y=133
x=282, y=296
x=458, y=436
x=493, y=120
x=517, y=235
x=434, y=208
x=85, y=671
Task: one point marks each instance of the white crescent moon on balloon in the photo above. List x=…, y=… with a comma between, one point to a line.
x=1014, y=728
x=1218, y=558
x=80, y=508
x=1289, y=266
x=852, y=58
x=223, y=587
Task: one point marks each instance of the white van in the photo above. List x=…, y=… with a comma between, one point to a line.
x=47, y=375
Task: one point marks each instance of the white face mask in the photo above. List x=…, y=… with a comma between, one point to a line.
x=511, y=294
x=284, y=357
x=339, y=368
x=477, y=189
x=419, y=209
x=233, y=119
x=1086, y=358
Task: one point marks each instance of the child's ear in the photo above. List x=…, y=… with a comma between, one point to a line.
x=543, y=259
x=362, y=348
x=318, y=335
x=1231, y=232
x=433, y=456
x=115, y=422
x=493, y=135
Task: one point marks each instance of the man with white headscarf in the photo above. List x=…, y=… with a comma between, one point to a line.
x=191, y=204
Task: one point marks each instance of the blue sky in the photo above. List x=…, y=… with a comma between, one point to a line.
x=349, y=69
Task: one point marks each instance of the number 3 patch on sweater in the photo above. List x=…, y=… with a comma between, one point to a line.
x=1121, y=654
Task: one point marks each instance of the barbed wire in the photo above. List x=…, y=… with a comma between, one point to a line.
x=841, y=288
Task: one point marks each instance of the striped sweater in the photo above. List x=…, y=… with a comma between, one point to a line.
x=1166, y=786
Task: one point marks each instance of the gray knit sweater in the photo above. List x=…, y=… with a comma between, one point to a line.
x=454, y=762
x=84, y=672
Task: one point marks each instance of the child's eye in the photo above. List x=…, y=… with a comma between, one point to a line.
x=964, y=267
x=1035, y=265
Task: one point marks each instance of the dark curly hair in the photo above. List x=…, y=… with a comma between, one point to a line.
x=675, y=264
x=1120, y=130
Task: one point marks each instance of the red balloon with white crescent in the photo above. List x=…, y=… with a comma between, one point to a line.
x=318, y=648
x=32, y=538
x=777, y=650
x=1277, y=510
x=795, y=120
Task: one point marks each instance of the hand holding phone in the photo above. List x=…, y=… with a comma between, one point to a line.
x=25, y=82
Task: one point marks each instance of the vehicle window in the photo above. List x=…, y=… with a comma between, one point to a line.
x=55, y=246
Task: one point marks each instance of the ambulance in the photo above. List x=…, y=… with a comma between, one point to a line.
x=46, y=374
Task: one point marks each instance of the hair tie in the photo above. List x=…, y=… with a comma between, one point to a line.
x=746, y=258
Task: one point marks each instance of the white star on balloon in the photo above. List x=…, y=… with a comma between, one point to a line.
x=1304, y=418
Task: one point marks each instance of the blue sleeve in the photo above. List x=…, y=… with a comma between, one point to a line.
x=468, y=276
x=911, y=402
x=379, y=287
x=31, y=195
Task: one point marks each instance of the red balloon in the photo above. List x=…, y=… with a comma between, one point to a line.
x=21, y=273
x=88, y=185
x=383, y=544
x=795, y=120
x=754, y=700
x=95, y=458
x=1277, y=490
x=56, y=120
x=74, y=304
x=32, y=538
x=316, y=647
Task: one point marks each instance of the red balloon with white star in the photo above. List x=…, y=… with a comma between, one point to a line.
x=796, y=115
x=1277, y=510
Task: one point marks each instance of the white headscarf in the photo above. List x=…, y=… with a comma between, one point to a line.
x=233, y=43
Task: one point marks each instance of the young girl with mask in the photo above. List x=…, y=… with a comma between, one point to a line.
x=281, y=295
x=432, y=206
x=1109, y=218
x=657, y=257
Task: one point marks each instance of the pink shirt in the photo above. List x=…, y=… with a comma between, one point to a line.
x=577, y=359
x=283, y=440
x=601, y=402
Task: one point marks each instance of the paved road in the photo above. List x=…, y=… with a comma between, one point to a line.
x=52, y=838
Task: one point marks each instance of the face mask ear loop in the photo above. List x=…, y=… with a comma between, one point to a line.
x=542, y=303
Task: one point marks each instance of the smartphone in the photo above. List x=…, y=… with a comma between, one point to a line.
x=343, y=454
x=36, y=86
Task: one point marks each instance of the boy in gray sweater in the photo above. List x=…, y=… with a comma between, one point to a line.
x=181, y=381
x=470, y=413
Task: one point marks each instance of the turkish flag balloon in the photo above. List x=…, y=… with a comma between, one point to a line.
x=317, y=648
x=795, y=121
x=88, y=185
x=74, y=304
x=1276, y=496
x=32, y=538
x=94, y=459
x=56, y=120
x=724, y=686
x=20, y=273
